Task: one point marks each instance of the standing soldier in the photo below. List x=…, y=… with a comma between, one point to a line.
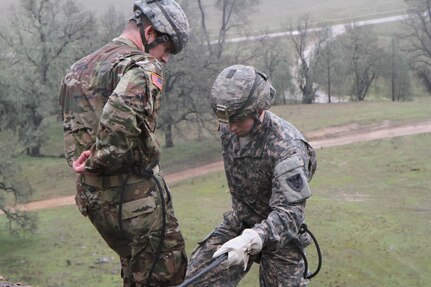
x=110, y=100
x=268, y=164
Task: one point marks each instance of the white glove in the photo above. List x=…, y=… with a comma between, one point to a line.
x=240, y=248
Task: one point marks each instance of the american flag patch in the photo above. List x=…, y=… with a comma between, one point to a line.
x=157, y=80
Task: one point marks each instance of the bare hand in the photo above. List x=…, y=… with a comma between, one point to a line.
x=79, y=164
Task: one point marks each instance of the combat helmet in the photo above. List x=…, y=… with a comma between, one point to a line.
x=167, y=18
x=240, y=91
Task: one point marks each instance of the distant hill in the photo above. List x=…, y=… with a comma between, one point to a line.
x=270, y=15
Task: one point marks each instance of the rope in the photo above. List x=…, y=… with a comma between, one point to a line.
x=204, y=271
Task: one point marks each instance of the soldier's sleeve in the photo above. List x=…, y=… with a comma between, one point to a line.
x=290, y=190
x=134, y=100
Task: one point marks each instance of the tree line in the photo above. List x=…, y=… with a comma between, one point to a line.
x=40, y=39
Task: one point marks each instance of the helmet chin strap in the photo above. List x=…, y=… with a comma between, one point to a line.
x=137, y=17
x=256, y=122
x=148, y=46
x=143, y=38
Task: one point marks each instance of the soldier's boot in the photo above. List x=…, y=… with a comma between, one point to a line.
x=126, y=273
x=128, y=282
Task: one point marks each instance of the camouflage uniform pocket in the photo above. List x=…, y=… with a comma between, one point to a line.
x=140, y=217
x=138, y=207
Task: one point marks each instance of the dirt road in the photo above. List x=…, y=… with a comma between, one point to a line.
x=329, y=137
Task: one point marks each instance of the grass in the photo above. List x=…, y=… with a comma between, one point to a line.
x=370, y=211
x=188, y=153
x=313, y=117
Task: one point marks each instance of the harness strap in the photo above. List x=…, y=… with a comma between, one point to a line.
x=302, y=230
x=104, y=182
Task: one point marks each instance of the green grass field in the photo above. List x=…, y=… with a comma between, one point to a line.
x=370, y=211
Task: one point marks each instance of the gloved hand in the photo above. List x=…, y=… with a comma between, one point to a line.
x=240, y=248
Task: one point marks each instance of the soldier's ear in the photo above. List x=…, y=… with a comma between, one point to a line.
x=150, y=33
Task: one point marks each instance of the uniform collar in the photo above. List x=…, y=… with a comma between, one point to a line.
x=126, y=42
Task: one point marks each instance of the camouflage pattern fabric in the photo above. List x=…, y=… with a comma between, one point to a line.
x=113, y=95
x=268, y=181
x=110, y=100
x=242, y=90
x=141, y=225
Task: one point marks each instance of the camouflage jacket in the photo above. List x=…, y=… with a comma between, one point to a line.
x=109, y=101
x=268, y=178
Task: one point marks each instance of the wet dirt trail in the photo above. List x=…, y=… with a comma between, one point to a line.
x=330, y=137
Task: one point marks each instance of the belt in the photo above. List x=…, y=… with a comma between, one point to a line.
x=114, y=180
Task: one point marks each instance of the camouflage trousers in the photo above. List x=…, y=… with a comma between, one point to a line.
x=136, y=239
x=279, y=266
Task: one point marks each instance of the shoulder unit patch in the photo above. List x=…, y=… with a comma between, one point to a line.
x=295, y=182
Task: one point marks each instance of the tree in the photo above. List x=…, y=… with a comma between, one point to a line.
x=330, y=69
x=417, y=38
x=8, y=113
x=395, y=71
x=14, y=190
x=234, y=15
x=41, y=37
x=111, y=24
x=361, y=55
x=307, y=46
x=273, y=58
x=190, y=75
x=187, y=90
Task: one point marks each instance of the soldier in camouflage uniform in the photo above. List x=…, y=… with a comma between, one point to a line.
x=109, y=101
x=268, y=164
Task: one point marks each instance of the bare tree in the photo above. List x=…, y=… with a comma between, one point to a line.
x=111, y=24
x=42, y=35
x=307, y=46
x=14, y=190
x=417, y=36
x=362, y=55
x=190, y=75
x=330, y=69
x=8, y=113
x=234, y=16
x=395, y=70
x=273, y=59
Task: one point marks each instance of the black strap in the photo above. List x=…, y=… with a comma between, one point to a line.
x=158, y=41
x=302, y=230
x=150, y=174
x=162, y=235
